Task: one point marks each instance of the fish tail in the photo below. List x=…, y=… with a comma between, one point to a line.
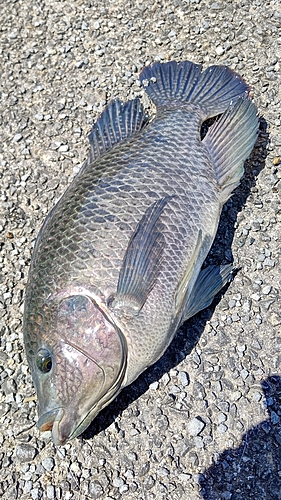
x=213, y=89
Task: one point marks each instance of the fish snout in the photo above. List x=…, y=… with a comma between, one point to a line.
x=54, y=421
x=47, y=420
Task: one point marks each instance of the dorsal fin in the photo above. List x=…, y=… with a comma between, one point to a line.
x=117, y=122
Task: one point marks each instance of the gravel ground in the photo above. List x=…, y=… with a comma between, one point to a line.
x=204, y=422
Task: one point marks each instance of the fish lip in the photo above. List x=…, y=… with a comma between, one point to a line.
x=47, y=420
x=57, y=437
x=61, y=431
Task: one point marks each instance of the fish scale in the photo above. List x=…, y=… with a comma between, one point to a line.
x=120, y=255
x=168, y=178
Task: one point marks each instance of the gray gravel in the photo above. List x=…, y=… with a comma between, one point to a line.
x=204, y=422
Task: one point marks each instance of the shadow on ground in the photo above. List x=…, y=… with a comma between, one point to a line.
x=252, y=471
x=189, y=334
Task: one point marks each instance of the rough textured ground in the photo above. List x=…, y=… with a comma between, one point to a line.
x=204, y=422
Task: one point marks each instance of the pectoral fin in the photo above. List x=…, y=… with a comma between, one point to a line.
x=209, y=282
x=142, y=260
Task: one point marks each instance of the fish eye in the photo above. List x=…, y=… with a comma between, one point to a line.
x=44, y=360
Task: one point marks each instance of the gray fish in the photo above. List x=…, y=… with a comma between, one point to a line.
x=117, y=264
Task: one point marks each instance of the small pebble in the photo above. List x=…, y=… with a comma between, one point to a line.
x=266, y=290
x=195, y=426
x=276, y=160
x=183, y=378
x=219, y=50
x=222, y=428
x=25, y=452
x=48, y=463
x=17, y=137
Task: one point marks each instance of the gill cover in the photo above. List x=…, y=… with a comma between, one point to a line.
x=83, y=371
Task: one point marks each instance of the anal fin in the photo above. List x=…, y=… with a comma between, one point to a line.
x=209, y=282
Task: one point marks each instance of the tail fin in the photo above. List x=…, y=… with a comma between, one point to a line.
x=213, y=89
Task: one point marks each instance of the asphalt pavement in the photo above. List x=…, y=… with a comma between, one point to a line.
x=204, y=422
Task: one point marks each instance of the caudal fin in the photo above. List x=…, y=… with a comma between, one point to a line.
x=213, y=89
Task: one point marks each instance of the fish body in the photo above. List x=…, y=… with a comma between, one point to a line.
x=117, y=264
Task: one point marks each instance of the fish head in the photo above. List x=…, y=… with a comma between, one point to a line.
x=78, y=362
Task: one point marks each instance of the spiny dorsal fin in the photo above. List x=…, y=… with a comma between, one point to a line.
x=117, y=122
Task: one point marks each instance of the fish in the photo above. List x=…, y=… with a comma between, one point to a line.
x=117, y=266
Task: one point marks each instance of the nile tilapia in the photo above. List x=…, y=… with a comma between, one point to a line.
x=116, y=267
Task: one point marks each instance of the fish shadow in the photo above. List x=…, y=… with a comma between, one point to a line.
x=190, y=332
x=251, y=471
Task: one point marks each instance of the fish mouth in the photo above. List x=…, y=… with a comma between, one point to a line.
x=60, y=421
x=47, y=421
x=52, y=421
x=56, y=421
x=64, y=428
